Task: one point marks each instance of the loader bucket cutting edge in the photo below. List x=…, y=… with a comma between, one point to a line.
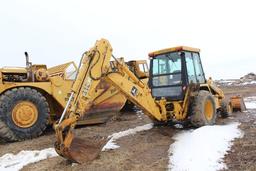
x=84, y=150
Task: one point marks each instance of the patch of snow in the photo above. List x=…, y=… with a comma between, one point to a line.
x=178, y=126
x=249, y=83
x=15, y=162
x=226, y=81
x=250, y=105
x=202, y=148
x=250, y=102
x=111, y=143
x=139, y=113
x=74, y=164
x=236, y=82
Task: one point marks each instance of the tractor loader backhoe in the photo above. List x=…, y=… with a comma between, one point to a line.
x=96, y=65
x=177, y=92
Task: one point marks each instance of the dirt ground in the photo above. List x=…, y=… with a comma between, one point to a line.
x=146, y=150
x=242, y=156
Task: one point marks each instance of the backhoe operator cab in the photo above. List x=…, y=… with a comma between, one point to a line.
x=172, y=70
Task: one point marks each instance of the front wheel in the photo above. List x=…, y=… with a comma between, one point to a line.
x=225, y=109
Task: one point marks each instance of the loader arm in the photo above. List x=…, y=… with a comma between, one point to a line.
x=95, y=65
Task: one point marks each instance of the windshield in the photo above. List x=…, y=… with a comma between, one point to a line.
x=169, y=63
x=167, y=69
x=71, y=72
x=166, y=75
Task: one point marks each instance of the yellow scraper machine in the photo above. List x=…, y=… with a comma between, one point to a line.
x=33, y=97
x=177, y=92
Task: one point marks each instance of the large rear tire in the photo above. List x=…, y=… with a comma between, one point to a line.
x=24, y=114
x=203, y=109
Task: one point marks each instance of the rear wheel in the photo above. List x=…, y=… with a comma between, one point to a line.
x=24, y=114
x=203, y=109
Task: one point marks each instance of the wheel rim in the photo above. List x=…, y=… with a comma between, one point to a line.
x=24, y=114
x=208, y=110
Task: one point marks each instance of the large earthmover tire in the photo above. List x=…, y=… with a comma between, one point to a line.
x=225, y=109
x=203, y=109
x=24, y=114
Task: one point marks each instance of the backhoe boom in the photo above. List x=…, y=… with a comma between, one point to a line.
x=95, y=65
x=137, y=92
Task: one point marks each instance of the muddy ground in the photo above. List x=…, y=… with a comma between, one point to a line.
x=146, y=150
x=242, y=156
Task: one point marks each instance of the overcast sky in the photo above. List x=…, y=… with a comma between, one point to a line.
x=58, y=31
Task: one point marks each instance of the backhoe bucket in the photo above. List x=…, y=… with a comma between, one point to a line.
x=237, y=103
x=84, y=150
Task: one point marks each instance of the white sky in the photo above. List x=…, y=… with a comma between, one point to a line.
x=58, y=31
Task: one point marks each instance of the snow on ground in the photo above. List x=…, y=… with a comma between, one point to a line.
x=236, y=82
x=227, y=82
x=111, y=143
x=250, y=102
x=249, y=83
x=202, y=149
x=139, y=113
x=14, y=162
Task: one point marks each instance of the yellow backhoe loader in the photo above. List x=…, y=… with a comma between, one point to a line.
x=34, y=96
x=178, y=92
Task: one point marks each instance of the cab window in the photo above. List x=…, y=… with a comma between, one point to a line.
x=198, y=68
x=167, y=70
x=167, y=64
x=143, y=68
x=71, y=72
x=190, y=68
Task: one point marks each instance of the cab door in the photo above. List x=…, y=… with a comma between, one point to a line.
x=195, y=73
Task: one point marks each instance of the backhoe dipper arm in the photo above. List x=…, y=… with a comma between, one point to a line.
x=96, y=66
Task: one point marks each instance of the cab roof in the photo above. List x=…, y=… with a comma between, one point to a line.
x=173, y=49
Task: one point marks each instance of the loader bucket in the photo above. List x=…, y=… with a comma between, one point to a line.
x=237, y=103
x=84, y=150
